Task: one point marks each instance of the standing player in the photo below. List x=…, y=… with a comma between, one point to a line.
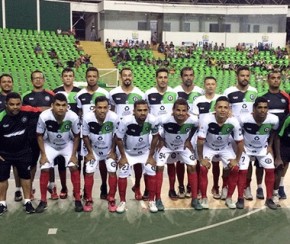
x=122, y=100
x=40, y=98
x=58, y=134
x=133, y=140
x=279, y=104
x=177, y=131
x=70, y=91
x=6, y=85
x=188, y=91
x=259, y=133
x=241, y=97
x=202, y=106
x=85, y=104
x=161, y=99
x=98, y=134
x=213, y=140
x=14, y=149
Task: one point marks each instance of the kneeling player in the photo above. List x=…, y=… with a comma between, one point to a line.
x=133, y=140
x=98, y=134
x=58, y=134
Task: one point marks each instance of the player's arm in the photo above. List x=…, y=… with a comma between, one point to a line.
x=88, y=144
x=76, y=141
x=271, y=142
x=43, y=158
x=203, y=161
x=152, y=150
x=239, y=151
x=123, y=159
x=187, y=143
x=112, y=154
x=276, y=144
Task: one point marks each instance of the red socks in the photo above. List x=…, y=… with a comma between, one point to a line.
x=89, y=182
x=112, y=186
x=44, y=177
x=159, y=180
x=269, y=182
x=192, y=178
x=232, y=180
x=203, y=180
x=151, y=187
x=76, y=182
x=242, y=179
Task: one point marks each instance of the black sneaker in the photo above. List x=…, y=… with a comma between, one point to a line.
x=172, y=194
x=240, y=204
x=41, y=207
x=18, y=196
x=104, y=192
x=181, y=192
x=260, y=193
x=78, y=206
x=145, y=196
x=3, y=209
x=270, y=204
x=282, y=193
x=29, y=208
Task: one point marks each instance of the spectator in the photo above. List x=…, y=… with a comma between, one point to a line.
x=38, y=50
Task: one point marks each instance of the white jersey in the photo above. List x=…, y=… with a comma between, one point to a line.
x=174, y=134
x=189, y=97
x=136, y=138
x=216, y=136
x=100, y=135
x=160, y=104
x=58, y=135
x=123, y=102
x=241, y=102
x=256, y=136
x=86, y=101
x=203, y=105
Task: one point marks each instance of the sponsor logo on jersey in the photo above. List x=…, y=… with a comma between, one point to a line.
x=47, y=98
x=24, y=119
x=5, y=125
x=31, y=98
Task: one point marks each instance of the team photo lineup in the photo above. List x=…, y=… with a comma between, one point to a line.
x=239, y=136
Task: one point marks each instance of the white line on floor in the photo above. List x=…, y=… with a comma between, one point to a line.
x=203, y=228
x=52, y=231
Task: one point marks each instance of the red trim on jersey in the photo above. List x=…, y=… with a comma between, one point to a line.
x=50, y=92
x=286, y=95
x=28, y=108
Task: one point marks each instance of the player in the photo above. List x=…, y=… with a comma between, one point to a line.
x=70, y=91
x=62, y=133
x=85, y=103
x=98, y=134
x=39, y=98
x=241, y=97
x=213, y=140
x=161, y=99
x=202, y=106
x=122, y=100
x=133, y=141
x=259, y=132
x=14, y=148
x=177, y=131
x=188, y=91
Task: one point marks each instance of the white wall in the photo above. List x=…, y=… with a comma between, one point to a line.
x=229, y=39
x=124, y=34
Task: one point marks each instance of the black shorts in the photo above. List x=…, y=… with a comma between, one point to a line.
x=23, y=169
x=285, y=153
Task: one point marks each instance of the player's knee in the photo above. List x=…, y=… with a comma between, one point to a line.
x=111, y=165
x=124, y=171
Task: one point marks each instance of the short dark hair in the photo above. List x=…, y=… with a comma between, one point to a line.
x=161, y=70
x=6, y=75
x=242, y=68
x=60, y=97
x=140, y=102
x=180, y=101
x=260, y=100
x=187, y=68
x=36, y=71
x=273, y=72
x=125, y=68
x=101, y=99
x=67, y=69
x=92, y=69
x=222, y=99
x=209, y=78
x=12, y=95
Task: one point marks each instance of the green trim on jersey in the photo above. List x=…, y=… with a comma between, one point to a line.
x=133, y=97
x=185, y=128
x=265, y=129
x=71, y=97
x=250, y=96
x=65, y=126
x=2, y=115
x=95, y=95
x=146, y=128
x=107, y=127
x=192, y=96
x=212, y=105
x=226, y=129
x=286, y=124
x=169, y=97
